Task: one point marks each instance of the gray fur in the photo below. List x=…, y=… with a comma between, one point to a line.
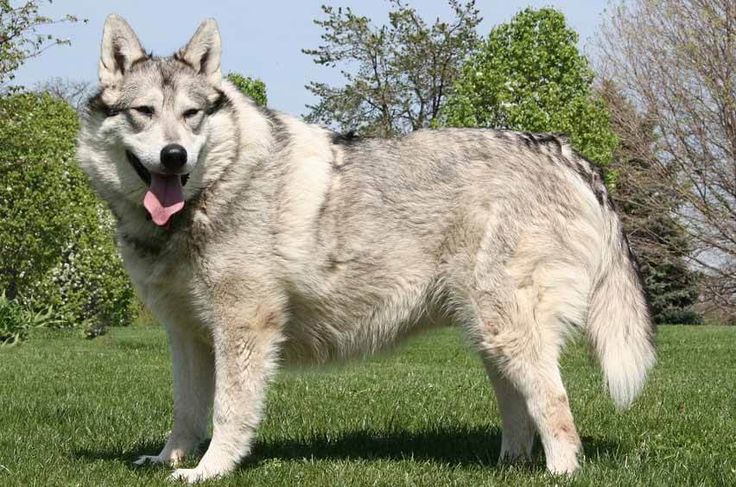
x=299, y=245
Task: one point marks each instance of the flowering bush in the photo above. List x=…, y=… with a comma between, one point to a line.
x=56, y=245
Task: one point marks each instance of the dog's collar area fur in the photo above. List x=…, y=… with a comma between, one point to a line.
x=143, y=173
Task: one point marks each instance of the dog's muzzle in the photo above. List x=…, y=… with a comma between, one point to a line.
x=144, y=173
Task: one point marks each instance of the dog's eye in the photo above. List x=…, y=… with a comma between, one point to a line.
x=191, y=112
x=144, y=109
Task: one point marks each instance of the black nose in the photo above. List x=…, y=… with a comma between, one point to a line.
x=173, y=157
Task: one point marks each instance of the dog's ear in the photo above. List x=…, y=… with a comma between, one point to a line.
x=120, y=49
x=202, y=52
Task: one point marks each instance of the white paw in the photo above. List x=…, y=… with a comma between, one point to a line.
x=563, y=466
x=190, y=475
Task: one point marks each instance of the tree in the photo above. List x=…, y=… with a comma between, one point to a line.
x=676, y=59
x=528, y=75
x=19, y=37
x=74, y=92
x=397, y=76
x=657, y=237
x=255, y=89
x=56, y=246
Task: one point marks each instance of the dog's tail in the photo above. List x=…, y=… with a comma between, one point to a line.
x=619, y=326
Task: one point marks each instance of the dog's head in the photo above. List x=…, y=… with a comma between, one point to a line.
x=152, y=117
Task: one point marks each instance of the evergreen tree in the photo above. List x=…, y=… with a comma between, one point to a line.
x=647, y=207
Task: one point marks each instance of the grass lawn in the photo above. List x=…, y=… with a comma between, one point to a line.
x=76, y=412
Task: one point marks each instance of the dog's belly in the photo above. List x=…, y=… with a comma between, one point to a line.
x=340, y=328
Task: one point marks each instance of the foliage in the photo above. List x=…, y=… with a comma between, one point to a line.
x=255, y=89
x=16, y=322
x=74, y=92
x=19, y=36
x=528, y=75
x=676, y=59
x=55, y=237
x=397, y=76
x=660, y=242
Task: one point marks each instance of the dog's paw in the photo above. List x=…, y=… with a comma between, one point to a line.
x=148, y=460
x=563, y=465
x=170, y=460
x=189, y=475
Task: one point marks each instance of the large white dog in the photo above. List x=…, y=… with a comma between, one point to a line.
x=254, y=237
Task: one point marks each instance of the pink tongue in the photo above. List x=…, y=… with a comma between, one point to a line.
x=163, y=198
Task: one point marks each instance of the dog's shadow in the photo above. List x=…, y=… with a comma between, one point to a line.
x=445, y=445
x=453, y=446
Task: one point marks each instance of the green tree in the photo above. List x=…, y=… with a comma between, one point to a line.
x=56, y=246
x=19, y=37
x=648, y=209
x=397, y=76
x=255, y=89
x=528, y=75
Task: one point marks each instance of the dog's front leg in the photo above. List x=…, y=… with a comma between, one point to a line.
x=193, y=371
x=246, y=349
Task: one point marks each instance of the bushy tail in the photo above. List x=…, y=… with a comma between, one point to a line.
x=619, y=326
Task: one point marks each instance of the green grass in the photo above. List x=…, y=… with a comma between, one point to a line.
x=76, y=412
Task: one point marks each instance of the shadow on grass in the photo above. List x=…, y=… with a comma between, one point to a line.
x=119, y=454
x=451, y=445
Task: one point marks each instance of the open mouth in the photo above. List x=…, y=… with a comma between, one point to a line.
x=165, y=195
x=144, y=173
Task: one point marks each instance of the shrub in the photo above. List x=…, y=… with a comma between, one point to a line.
x=56, y=247
x=15, y=322
x=253, y=88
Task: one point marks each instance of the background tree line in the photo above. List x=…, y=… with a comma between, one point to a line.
x=655, y=114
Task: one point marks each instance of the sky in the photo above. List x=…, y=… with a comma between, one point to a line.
x=262, y=39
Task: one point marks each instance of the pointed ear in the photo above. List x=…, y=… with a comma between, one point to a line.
x=202, y=52
x=120, y=49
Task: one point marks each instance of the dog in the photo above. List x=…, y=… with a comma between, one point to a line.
x=257, y=239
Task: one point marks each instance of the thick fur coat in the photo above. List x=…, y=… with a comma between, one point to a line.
x=296, y=244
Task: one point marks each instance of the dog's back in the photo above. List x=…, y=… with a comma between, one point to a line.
x=410, y=221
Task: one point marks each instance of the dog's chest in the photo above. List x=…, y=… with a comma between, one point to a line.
x=164, y=283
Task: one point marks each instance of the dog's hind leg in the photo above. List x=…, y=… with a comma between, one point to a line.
x=246, y=343
x=193, y=377
x=518, y=428
x=519, y=339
